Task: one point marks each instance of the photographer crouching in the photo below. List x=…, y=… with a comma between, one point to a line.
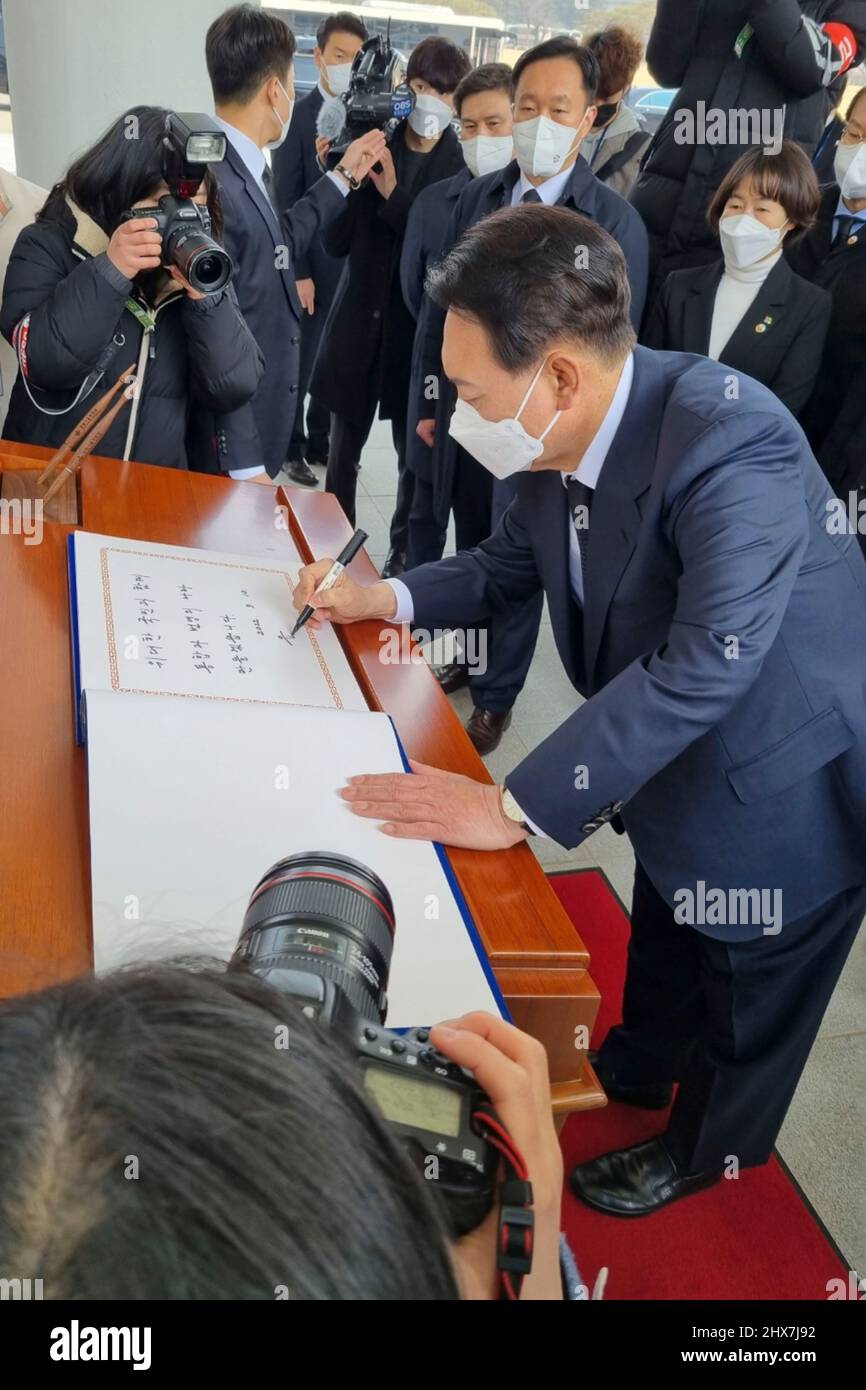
x=290, y=1145
x=94, y=286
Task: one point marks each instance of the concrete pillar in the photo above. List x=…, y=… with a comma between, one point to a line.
x=76, y=65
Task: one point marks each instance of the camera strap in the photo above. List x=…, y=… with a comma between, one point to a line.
x=516, y=1231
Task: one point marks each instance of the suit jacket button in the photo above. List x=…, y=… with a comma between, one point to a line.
x=294, y=341
x=293, y=388
x=377, y=313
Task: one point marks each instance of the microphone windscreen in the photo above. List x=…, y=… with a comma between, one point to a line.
x=331, y=120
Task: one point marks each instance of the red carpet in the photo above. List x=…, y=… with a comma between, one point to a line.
x=751, y=1239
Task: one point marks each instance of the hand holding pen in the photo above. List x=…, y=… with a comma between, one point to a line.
x=316, y=581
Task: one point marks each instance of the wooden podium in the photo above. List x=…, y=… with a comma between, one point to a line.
x=537, y=956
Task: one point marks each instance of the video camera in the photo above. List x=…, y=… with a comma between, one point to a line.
x=190, y=143
x=378, y=97
x=320, y=928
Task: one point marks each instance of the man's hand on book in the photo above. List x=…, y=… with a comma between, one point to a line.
x=429, y=804
x=345, y=601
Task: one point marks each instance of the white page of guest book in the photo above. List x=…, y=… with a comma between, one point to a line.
x=191, y=802
x=164, y=619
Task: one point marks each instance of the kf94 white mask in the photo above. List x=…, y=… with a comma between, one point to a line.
x=484, y=154
x=338, y=75
x=430, y=116
x=745, y=240
x=503, y=447
x=850, y=168
x=542, y=146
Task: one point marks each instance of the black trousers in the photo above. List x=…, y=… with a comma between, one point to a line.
x=344, y=464
x=314, y=439
x=471, y=503
x=732, y=1022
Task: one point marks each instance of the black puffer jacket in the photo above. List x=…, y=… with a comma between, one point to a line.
x=691, y=47
x=199, y=351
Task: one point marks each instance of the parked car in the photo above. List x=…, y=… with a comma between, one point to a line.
x=650, y=105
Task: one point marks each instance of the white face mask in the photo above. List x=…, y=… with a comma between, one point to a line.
x=430, y=116
x=745, y=240
x=484, y=154
x=850, y=169
x=284, y=124
x=503, y=447
x=338, y=75
x=542, y=146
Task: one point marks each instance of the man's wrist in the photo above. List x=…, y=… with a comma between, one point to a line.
x=382, y=600
x=512, y=812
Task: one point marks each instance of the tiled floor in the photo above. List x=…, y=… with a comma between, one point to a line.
x=822, y=1141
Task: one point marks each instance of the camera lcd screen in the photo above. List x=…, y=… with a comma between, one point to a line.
x=409, y=1100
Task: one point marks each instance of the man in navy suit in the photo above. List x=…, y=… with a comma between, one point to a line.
x=249, y=59
x=554, y=87
x=482, y=103
x=296, y=169
x=715, y=621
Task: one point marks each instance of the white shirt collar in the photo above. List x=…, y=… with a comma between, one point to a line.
x=589, y=468
x=252, y=156
x=326, y=96
x=549, y=191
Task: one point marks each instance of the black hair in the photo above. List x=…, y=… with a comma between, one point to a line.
x=186, y=1133
x=343, y=23
x=787, y=177
x=122, y=168
x=439, y=62
x=245, y=47
x=489, y=77
x=532, y=276
x=561, y=47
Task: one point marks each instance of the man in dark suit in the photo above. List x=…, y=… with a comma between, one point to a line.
x=833, y=255
x=296, y=169
x=482, y=101
x=366, y=353
x=249, y=60
x=716, y=625
x=554, y=86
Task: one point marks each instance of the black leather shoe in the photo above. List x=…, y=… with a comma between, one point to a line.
x=453, y=676
x=318, y=460
x=636, y=1181
x=649, y=1095
x=395, y=565
x=486, y=727
x=301, y=473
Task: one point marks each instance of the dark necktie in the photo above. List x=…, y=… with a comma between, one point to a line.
x=531, y=196
x=844, y=229
x=579, y=506
x=268, y=181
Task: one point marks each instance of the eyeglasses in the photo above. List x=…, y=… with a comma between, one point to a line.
x=852, y=136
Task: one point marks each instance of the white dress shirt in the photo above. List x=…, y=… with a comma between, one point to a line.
x=550, y=191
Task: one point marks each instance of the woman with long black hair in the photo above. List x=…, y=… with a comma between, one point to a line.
x=87, y=294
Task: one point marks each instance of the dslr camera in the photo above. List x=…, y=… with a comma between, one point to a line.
x=320, y=928
x=378, y=98
x=190, y=143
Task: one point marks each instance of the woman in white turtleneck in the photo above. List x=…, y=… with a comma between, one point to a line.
x=749, y=310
